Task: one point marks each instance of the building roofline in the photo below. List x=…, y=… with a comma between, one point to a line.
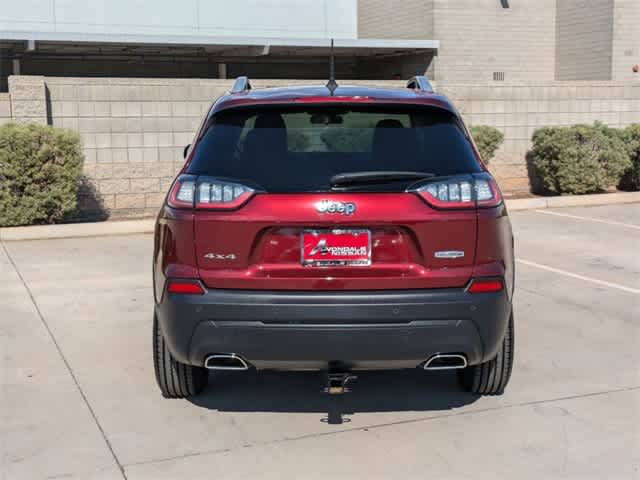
x=80, y=37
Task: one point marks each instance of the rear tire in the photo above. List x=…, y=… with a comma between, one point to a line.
x=175, y=379
x=491, y=378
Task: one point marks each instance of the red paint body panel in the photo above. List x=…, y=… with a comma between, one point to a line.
x=265, y=234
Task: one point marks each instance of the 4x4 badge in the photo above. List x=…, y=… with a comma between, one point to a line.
x=330, y=206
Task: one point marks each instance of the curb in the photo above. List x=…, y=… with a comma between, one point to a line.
x=573, y=201
x=130, y=227
x=77, y=230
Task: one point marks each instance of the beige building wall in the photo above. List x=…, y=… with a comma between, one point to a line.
x=584, y=39
x=479, y=37
x=408, y=19
x=626, y=39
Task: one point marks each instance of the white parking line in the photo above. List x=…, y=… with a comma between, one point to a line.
x=603, y=283
x=590, y=219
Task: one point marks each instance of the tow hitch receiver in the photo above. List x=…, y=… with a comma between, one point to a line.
x=337, y=380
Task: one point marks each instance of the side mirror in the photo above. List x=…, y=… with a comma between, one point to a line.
x=186, y=149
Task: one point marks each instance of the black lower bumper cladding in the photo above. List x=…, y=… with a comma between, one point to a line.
x=309, y=329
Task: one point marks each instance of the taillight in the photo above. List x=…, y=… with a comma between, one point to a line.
x=182, y=287
x=485, y=285
x=452, y=193
x=208, y=193
x=182, y=191
x=487, y=191
x=221, y=195
x=460, y=192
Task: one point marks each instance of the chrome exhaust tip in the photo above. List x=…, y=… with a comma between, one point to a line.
x=446, y=361
x=225, y=361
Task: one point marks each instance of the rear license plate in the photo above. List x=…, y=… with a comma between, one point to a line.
x=336, y=247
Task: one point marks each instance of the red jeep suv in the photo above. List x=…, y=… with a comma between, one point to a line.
x=333, y=229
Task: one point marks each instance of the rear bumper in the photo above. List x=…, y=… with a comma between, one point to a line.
x=396, y=329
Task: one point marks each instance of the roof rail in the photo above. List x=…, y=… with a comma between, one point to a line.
x=420, y=82
x=241, y=84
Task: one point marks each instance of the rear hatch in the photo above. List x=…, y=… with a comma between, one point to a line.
x=334, y=197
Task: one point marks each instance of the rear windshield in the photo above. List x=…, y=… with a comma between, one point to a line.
x=299, y=150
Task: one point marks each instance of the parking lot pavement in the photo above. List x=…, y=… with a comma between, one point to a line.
x=78, y=397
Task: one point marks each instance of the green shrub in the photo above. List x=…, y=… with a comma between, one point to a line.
x=488, y=140
x=578, y=159
x=40, y=168
x=631, y=179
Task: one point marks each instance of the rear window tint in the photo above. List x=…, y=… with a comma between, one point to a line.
x=299, y=150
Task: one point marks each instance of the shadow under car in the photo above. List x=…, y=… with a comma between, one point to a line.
x=300, y=392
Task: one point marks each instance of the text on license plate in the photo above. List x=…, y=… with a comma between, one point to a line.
x=336, y=247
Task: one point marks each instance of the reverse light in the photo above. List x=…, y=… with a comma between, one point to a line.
x=181, y=287
x=208, y=193
x=479, y=285
x=461, y=192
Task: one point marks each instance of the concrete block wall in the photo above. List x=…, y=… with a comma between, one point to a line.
x=134, y=130
x=28, y=99
x=584, y=35
x=518, y=109
x=5, y=108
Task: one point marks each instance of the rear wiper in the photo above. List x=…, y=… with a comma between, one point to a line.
x=375, y=178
